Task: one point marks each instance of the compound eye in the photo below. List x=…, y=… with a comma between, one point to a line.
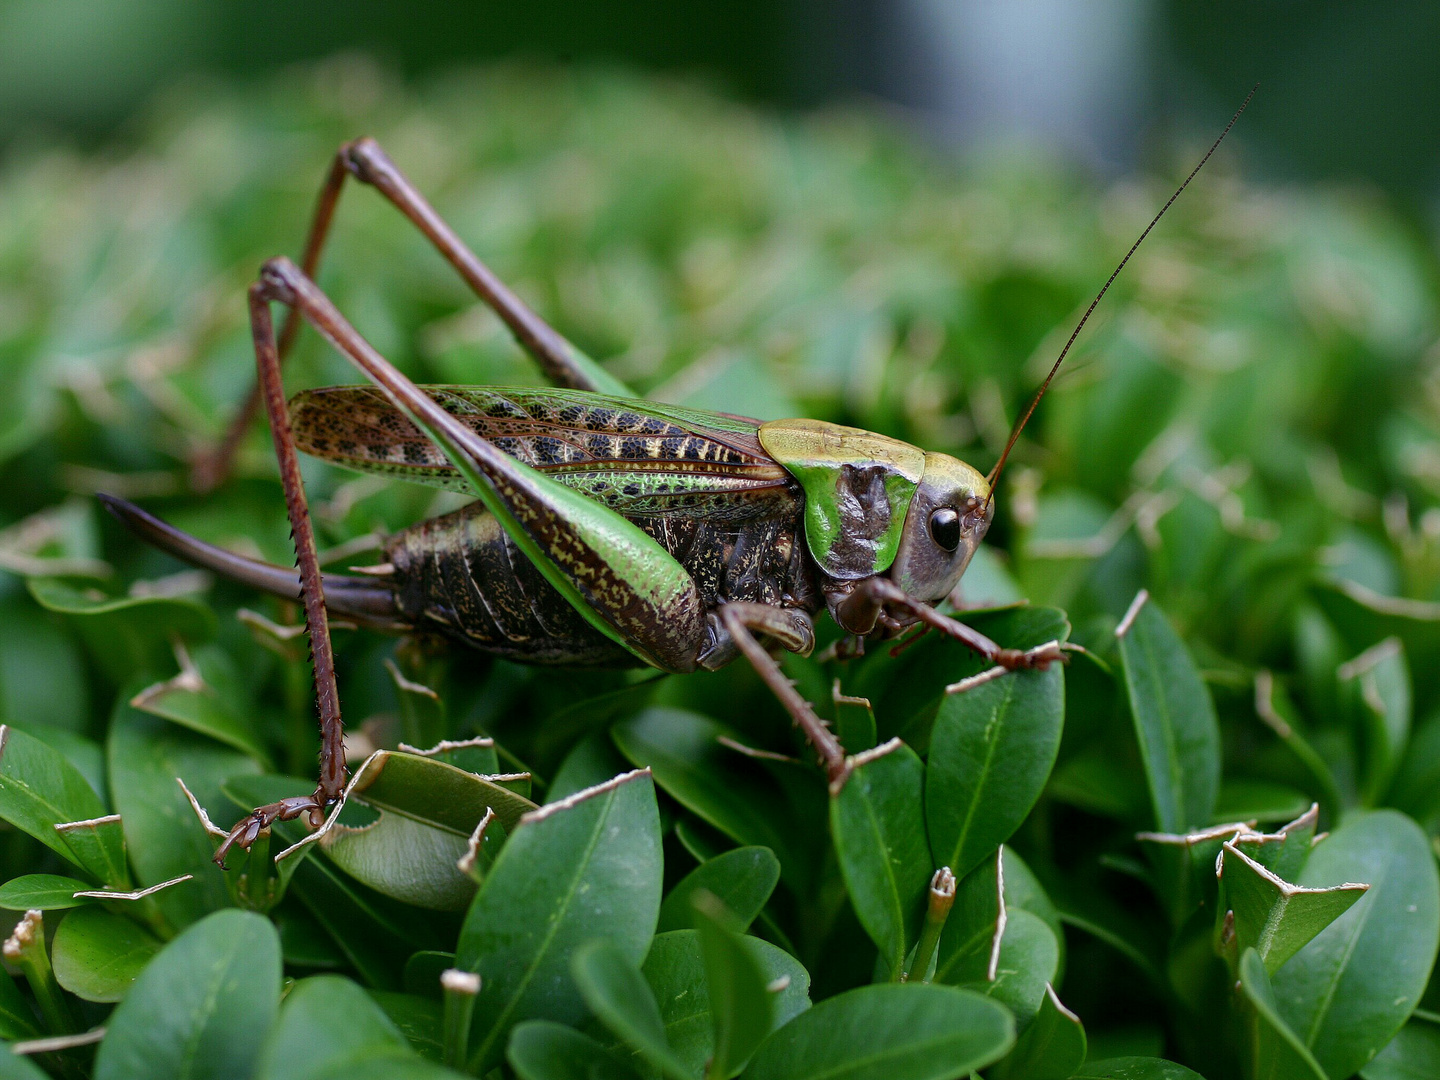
x=945, y=528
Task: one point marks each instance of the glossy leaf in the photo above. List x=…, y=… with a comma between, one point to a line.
x=15, y=1066
x=675, y=970
x=742, y=879
x=39, y=789
x=48, y=892
x=1275, y=1052
x=192, y=703
x=1348, y=991
x=1174, y=721
x=126, y=635
x=97, y=955
x=145, y=755
x=878, y=827
x=203, y=1006
x=906, y=1031
x=718, y=785
x=405, y=859
x=991, y=751
x=618, y=995
x=1027, y=963
x=1413, y=1054
x=1378, y=682
x=545, y=1050
x=740, y=1007
x=1052, y=1047
x=586, y=867
x=1274, y=917
x=435, y=793
x=326, y=1023
x=1134, y=1068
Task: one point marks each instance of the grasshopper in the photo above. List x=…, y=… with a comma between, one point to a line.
x=607, y=530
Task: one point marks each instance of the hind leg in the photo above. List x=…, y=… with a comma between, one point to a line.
x=367, y=162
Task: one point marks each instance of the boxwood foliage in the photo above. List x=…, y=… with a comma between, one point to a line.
x=1206, y=846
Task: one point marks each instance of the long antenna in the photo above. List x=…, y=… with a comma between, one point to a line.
x=1035, y=401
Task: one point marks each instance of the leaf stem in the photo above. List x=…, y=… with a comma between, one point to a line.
x=25, y=948
x=942, y=898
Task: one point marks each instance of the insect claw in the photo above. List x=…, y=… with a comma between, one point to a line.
x=248, y=829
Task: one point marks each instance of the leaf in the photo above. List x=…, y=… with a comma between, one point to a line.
x=326, y=1022
x=97, y=955
x=739, y=1002
x=1183, y=867
x=145, y=755
x=388, y=1065
x=1274, y=917
x=42, y=674
x=374, y=933
x=17, y=1016
x=1134, y=1068
x=1275, y=1052
x=1349, y=991
x=126, y=635
x=192, y=703
x=417, y=1018
x=15, y=1066
x=404, y=859
x=39, y=789
x=545, y=1050
x=724, y=789
x=592, y=760
x=48, y=892
x=1378, y=685
x=618, y=995
x=1285, y=851
x=422, y=713
x=1028, y=960
x=1174, y=719
x=586, y=867
x=1052, y=1047
x=435, y=793
x=896, y=1031
x=742, y=879
x=878, y=828
x=675, y=970
x=201, y=1008
x=991, y=751
x=1413, y=1054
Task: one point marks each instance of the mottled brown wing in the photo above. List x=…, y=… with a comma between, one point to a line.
x=638, y=457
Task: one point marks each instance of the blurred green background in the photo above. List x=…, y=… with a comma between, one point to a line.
x=1349, y=90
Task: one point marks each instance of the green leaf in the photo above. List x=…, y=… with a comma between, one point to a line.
x=1285, y=851
x=422, y=713
x=435, y=793
x=592, y=760
x=202, y=1007
x=1349, y=991
x=1183, y=867
x=1413, y=1054
x=878, y=827
x=417, y=1018
x=1378, y=684
x=164, y=839
x=1174, y=719
x=618, y=995
x=586, y=867
x=545, y=1050
x=126, y=635
x=1026, y=964
x=716, y=784
x=1052, y=1047
x=387, y=1065
x=97, y=955
x=991, y=751
x=1275, y=1052
x=897, y=1031
x=326, y=1022
x=742, y=879
x=39, y=789
x=1272, y=916
x=15, y=1066
x=675, y=970
x=405, y=859
x=48, y=892
x=1134, y=1068
x=740, y=1008
x=192, y=703
x=42, y=674
x=17, y=1016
